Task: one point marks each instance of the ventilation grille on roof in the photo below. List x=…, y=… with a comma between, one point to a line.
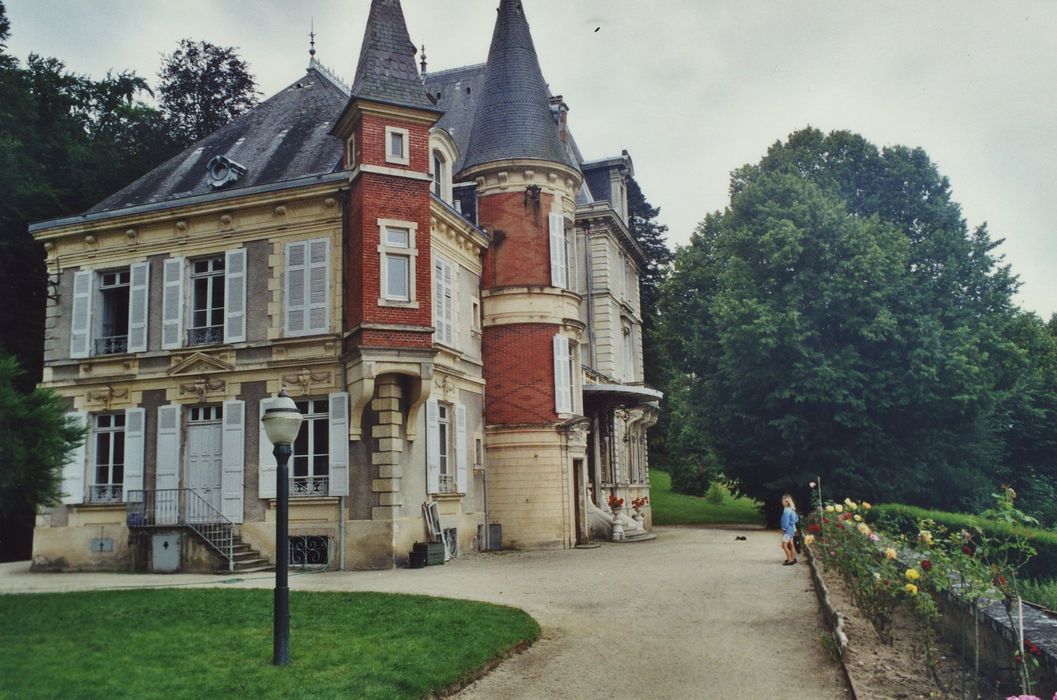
x=223, y=171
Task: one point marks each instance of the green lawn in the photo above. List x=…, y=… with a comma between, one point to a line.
x=670, y=508
x=207, y=643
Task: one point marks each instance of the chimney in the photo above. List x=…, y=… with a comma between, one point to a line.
x=558, y=104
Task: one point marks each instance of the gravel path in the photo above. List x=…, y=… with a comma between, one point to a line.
x=692, y=614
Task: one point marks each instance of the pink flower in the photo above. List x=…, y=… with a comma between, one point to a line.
x=874, y=537
x=812, y=484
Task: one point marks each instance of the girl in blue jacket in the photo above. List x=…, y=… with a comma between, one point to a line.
x=788, y=525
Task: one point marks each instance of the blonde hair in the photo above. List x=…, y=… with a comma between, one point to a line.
x=787, y=500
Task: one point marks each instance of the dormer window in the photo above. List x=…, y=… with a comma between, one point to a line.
x=350, y=153
x=224, y=171
x=442, y=155
x=396, y=145
x=438, y=174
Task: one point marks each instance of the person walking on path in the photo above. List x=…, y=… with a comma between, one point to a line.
x=788, y=525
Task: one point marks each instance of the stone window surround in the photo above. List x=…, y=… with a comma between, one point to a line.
x=411, y=253
x=391, y=157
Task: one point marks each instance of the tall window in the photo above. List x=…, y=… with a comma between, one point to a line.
x=443, y=301
x=207, y=302
x=114, y=298
x=629, y=354
x=311, y=457
x=447, y=474
x=108, y=459
x=438, y=174
x=396, y=264
x=396, y=145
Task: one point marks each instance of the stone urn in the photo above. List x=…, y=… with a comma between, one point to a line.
x=618, y=527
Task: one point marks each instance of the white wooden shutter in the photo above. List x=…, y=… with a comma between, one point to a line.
x=443, y=302
x=317, y=291
x=134, y=440
x=235, y=296
x=81, y=316
x=339, y=444
x=168, y=457
x=559, y=257
x=268, y=466
x=138, y=303
x=172, y=305
x=73, y=469
x=232, y=460
x=461, y=484
x=432, y=446
x=562, y=381
x=295, y=303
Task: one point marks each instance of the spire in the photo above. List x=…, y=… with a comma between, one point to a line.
x=513, y=117
x=386, y=71
x=312, y=40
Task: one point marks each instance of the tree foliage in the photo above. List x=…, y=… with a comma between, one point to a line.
x=202, y=87
x=36, y=438
x=839, y=319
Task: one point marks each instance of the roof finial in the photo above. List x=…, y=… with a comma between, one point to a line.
x=422, y=62
x=312, y=40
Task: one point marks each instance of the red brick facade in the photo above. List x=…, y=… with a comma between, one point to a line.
x=519, y=372
x=523, y=256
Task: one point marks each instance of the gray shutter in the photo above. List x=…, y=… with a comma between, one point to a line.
x=268, y=466
x=73, y=469
x=339, y=444
x=317, y=290
x=294, y=301
x=138, y=302
x=235, y=296
x=562, y=388
x=172, y=304
x=559, y=265
x=432, y=447
x=134, y=440
x=461, y=483
x=81, y=316
x=168, y=457
x=232, y=460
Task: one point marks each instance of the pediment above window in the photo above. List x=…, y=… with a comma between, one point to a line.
x=199, y=363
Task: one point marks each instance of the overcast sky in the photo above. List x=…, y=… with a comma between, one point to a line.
x=691, y=88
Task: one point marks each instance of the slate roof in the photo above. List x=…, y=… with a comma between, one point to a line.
x=386, y=71
x=457, y=92
x=286, y=137
x=513, y=117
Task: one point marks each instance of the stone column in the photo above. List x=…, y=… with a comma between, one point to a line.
x=387, y=448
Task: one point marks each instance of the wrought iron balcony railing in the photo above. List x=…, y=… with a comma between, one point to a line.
x=309, y=486
x=206, y=335
x=447, y=483
x=105, y=493
x=112, y=345
x=184, y=507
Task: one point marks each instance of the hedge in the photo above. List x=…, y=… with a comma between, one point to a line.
x=900, y=519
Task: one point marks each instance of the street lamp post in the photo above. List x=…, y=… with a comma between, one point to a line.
x=282, y=421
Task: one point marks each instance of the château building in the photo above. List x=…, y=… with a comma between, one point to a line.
x=425, y=261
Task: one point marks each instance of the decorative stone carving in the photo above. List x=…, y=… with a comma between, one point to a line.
x=305, y=379
x=202, y=386
x=107, y=397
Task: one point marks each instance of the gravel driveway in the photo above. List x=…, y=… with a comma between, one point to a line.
x=692, y=614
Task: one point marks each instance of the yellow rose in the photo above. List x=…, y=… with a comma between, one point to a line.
x=829, y=509
x=839, y=508
x=913, y=574
x=864, y=528
x=853, y=506
x=809, y=539
x=866, y=506
x=926, y=537
x=911, y=589
x=890, y=553
x=858, y=518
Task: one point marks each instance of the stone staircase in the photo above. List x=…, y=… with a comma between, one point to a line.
x=247, y=559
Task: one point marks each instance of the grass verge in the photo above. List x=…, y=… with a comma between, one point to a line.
x=208, y=643
x=1042, y=593
x=670, y=508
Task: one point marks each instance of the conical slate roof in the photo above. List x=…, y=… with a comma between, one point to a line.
x=387, y=71
x=513, y=117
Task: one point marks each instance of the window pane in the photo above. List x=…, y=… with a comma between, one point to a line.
x=397, y=276
x=398, y=237
x=300, y=466
x=320, y=436
x=396, y=144
x=119, y=448
x=301, y=443
x=102, y=448
x=322, y=465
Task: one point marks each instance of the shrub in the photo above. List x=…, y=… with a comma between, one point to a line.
x=902, y=519
x=716, y=494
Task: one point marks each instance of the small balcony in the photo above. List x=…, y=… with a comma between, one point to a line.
x=206, y=335
x=105, y=493
x=113, y=345
x=447, y=483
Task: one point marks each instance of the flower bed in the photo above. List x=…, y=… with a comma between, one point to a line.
x=945, y=580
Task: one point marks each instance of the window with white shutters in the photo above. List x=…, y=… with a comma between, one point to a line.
x=307, y=287
x=443, y=301
x=139, y=304
x=235, y=300
x=396, y=259
x=81, y=314
x=73, y=469
x=172, y=303
x=232, y=460
x=559, y=251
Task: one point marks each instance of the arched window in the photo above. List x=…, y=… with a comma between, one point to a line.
x=439, y=174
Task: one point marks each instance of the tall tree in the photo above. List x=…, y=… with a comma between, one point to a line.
x=203, y=87
x=848, y=326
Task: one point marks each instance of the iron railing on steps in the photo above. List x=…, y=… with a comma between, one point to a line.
x=183, y=508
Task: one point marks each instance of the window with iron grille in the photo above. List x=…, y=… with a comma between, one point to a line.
x=207, y=302
x=311, y=451
x=447, y=474
x=108, y=459
x=114, y=300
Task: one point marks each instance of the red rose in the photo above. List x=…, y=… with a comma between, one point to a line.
x=999, y=581
x=926, y=565
x=1032, y=648
x=814, y=527
x=840, y=526
x=967, y=550
x=825, y=521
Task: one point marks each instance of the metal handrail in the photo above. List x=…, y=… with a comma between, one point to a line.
x=186, y=508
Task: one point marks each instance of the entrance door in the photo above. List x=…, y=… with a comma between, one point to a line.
x=204, y=450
